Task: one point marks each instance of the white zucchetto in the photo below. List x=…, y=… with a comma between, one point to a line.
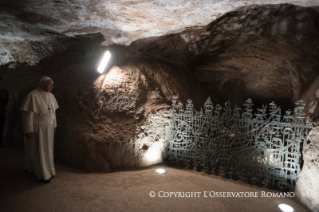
x=45, y=78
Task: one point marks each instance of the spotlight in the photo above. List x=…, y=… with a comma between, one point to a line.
x=285, y=208
x=104, y=61
x=160, y=171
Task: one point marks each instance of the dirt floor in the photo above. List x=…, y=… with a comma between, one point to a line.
x=76, y=190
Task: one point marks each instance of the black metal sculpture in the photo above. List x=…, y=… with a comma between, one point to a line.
x=259, y=148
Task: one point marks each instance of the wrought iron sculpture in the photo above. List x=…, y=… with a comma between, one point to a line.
x=257, y=147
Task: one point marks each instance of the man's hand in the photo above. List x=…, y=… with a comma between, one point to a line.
x=29, y=136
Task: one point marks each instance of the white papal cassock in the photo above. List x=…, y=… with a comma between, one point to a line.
x=38, y=115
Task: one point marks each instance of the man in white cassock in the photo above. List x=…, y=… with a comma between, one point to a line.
x=39, y=126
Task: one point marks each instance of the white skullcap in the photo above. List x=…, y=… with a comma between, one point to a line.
x=45, y=78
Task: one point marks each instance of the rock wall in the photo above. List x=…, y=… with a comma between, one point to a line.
x=109, y=121
x=266, y=53
x=307, y=189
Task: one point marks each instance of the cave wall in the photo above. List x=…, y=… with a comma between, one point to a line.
x=267, y=53
x=307, y=189
x=105, y=122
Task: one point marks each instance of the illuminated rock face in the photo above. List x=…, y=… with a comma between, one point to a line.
x=119, y=119
x=307, y=189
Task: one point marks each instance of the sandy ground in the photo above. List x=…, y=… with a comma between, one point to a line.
x=76, y=190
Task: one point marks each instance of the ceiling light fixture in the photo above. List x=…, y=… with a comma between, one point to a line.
x=104, y=61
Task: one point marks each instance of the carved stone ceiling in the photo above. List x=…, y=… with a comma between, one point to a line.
x=120, y=21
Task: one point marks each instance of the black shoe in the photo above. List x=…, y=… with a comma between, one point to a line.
x=46, y=181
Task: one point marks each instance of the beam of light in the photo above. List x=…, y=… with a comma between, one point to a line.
x=285, y=208
x=153, y=155
x=104, y=61
x=160, y=171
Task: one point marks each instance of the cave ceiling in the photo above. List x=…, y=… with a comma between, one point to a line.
x=119, y=21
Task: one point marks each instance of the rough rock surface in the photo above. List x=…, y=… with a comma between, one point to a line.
x=119, y=119
x=266, y=53
x=109, y=121
x=28, y=28
x=307, y=189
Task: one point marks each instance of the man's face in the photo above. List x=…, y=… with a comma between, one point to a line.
x=47, y=86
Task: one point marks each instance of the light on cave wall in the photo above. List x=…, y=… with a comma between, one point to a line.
x=153, y=155
x=104, y=61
